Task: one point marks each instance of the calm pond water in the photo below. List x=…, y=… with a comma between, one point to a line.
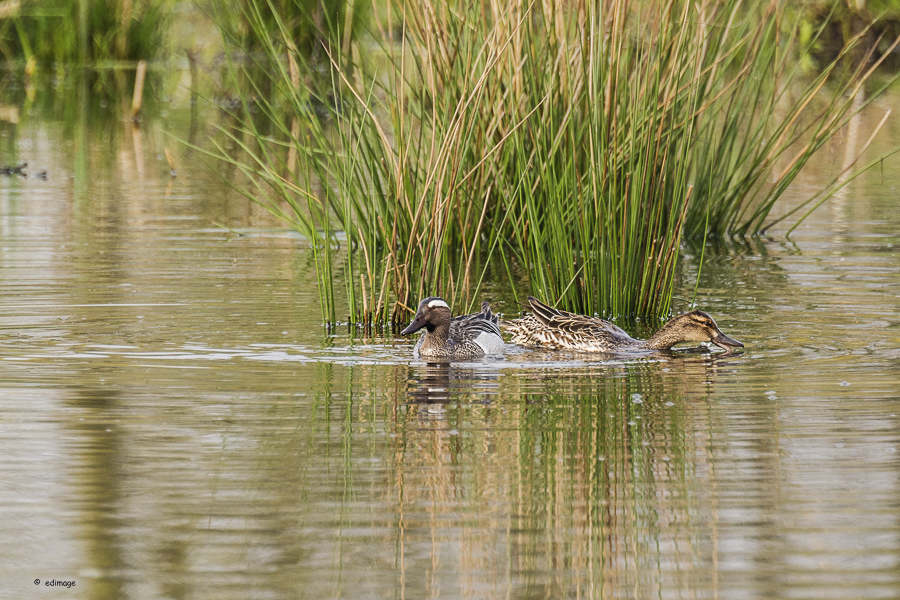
x=176, y=423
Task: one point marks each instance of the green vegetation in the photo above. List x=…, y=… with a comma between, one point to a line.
x=308, y=24
x=566, y=147
x=575, y=141
x=83, y=31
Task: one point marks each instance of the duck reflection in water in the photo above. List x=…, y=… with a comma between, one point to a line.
x=443, y=383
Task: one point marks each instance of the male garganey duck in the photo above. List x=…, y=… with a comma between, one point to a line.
x=465, y=336
x=548, y=327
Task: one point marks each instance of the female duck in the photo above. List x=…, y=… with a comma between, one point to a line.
x=547, y=327
x=466, y=336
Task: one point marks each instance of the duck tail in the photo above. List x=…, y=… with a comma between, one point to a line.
x=542, y=311
x=488, y=314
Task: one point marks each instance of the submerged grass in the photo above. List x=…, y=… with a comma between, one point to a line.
x=580, y=141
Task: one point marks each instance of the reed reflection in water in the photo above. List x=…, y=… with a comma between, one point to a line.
x=550, y=485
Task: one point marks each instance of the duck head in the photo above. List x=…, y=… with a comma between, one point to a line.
x=432, y=313
x=697, y=326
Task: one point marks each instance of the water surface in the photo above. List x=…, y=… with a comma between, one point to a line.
x=176, y=423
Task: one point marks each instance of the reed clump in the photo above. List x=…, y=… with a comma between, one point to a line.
x=577, y=141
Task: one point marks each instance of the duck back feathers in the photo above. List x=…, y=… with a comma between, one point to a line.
x=551, y=328
x=566, y=330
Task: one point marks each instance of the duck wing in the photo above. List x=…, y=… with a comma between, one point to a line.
x=575, y=325
x=471, y=326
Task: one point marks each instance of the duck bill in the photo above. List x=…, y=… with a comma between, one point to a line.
x=726, y=343
x=416, y=325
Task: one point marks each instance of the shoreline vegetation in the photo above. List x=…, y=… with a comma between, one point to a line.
x=568, y=148
x=577, y=142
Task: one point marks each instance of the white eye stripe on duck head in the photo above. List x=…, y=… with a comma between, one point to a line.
x=438, y=303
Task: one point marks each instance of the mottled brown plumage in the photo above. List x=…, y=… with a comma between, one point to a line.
x=547, y=327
